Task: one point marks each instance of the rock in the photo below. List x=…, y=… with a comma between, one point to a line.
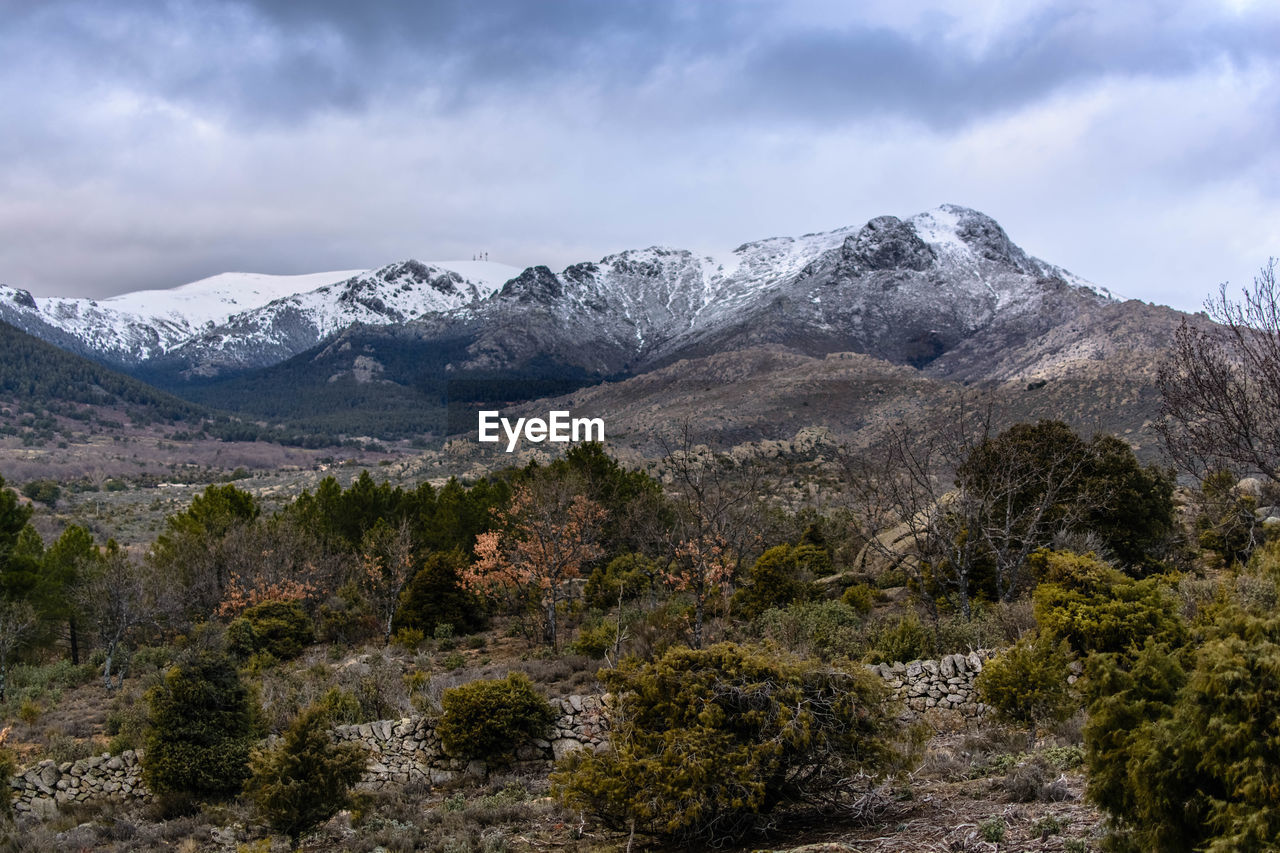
x=947, y=667
x=48, y=774
x=563, y=746
x=1250, y=486
x=43, y=807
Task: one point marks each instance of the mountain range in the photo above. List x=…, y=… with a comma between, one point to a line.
x=944, y=294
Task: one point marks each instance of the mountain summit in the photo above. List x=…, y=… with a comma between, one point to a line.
x=945, y=292
x=906, y=290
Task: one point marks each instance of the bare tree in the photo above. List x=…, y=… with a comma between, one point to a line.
x=1019, y=490
x=953, y=505
x=906, y=510
x=18, y=622
x=388, y=564
x=1221, y=384
x=118, y=599
x=716, y=524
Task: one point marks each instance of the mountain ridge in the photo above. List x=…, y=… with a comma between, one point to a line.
x=945, y=293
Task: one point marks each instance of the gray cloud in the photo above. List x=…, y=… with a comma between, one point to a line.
x=148, y=143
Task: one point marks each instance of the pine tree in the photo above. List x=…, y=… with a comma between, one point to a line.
x=307, y=777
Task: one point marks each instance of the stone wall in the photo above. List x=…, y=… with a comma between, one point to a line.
x=945, y=684
x=400, y=751
x=41, y=789
x=408, y=750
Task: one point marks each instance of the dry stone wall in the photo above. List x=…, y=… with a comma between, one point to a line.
x=41, y=789
x=400, y=751
x=945, y=684
x=408, y=750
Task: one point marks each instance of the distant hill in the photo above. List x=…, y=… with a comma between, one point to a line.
x=40, y=383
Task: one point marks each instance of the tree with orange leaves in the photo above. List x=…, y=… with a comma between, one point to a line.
x=544, y=538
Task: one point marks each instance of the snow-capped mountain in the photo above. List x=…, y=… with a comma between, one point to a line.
x=412, y=348
x=292, y=324
x=246, y=319
x=904, y=290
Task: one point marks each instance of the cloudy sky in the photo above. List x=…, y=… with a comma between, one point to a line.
x=145, y=144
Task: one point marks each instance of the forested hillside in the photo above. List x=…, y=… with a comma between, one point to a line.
x=40, y=383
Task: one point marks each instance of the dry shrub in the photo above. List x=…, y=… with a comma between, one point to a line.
x=1035, y=780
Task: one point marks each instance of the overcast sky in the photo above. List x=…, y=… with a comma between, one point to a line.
x=145, y=144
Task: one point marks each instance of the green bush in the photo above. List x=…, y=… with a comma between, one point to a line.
x=1180, y=744
x=345, y=617
x=307, y=777
x=780, y=576
x=626, y=577
x=409, y=639
x=1225, y=522
x=1096, y=608
x=489, y=719
x=904, y=640
x=1026, y=684
x=861, y=597
x=43, y=491
x=280, y=628
x=823, y=629
x=705, y=743
x=435, y=596
x=341, y=706
x=203, y=723
x=594, y=640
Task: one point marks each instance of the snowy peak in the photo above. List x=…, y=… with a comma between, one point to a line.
x=393, y=294
x=888, y=243
x=134, y=327
x=536, y=284
x=907, y=289
x=285, y=314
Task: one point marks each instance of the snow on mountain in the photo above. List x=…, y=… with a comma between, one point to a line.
x=137, y=326
x=287, y=326
x=905, y=289
x=142, y=326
